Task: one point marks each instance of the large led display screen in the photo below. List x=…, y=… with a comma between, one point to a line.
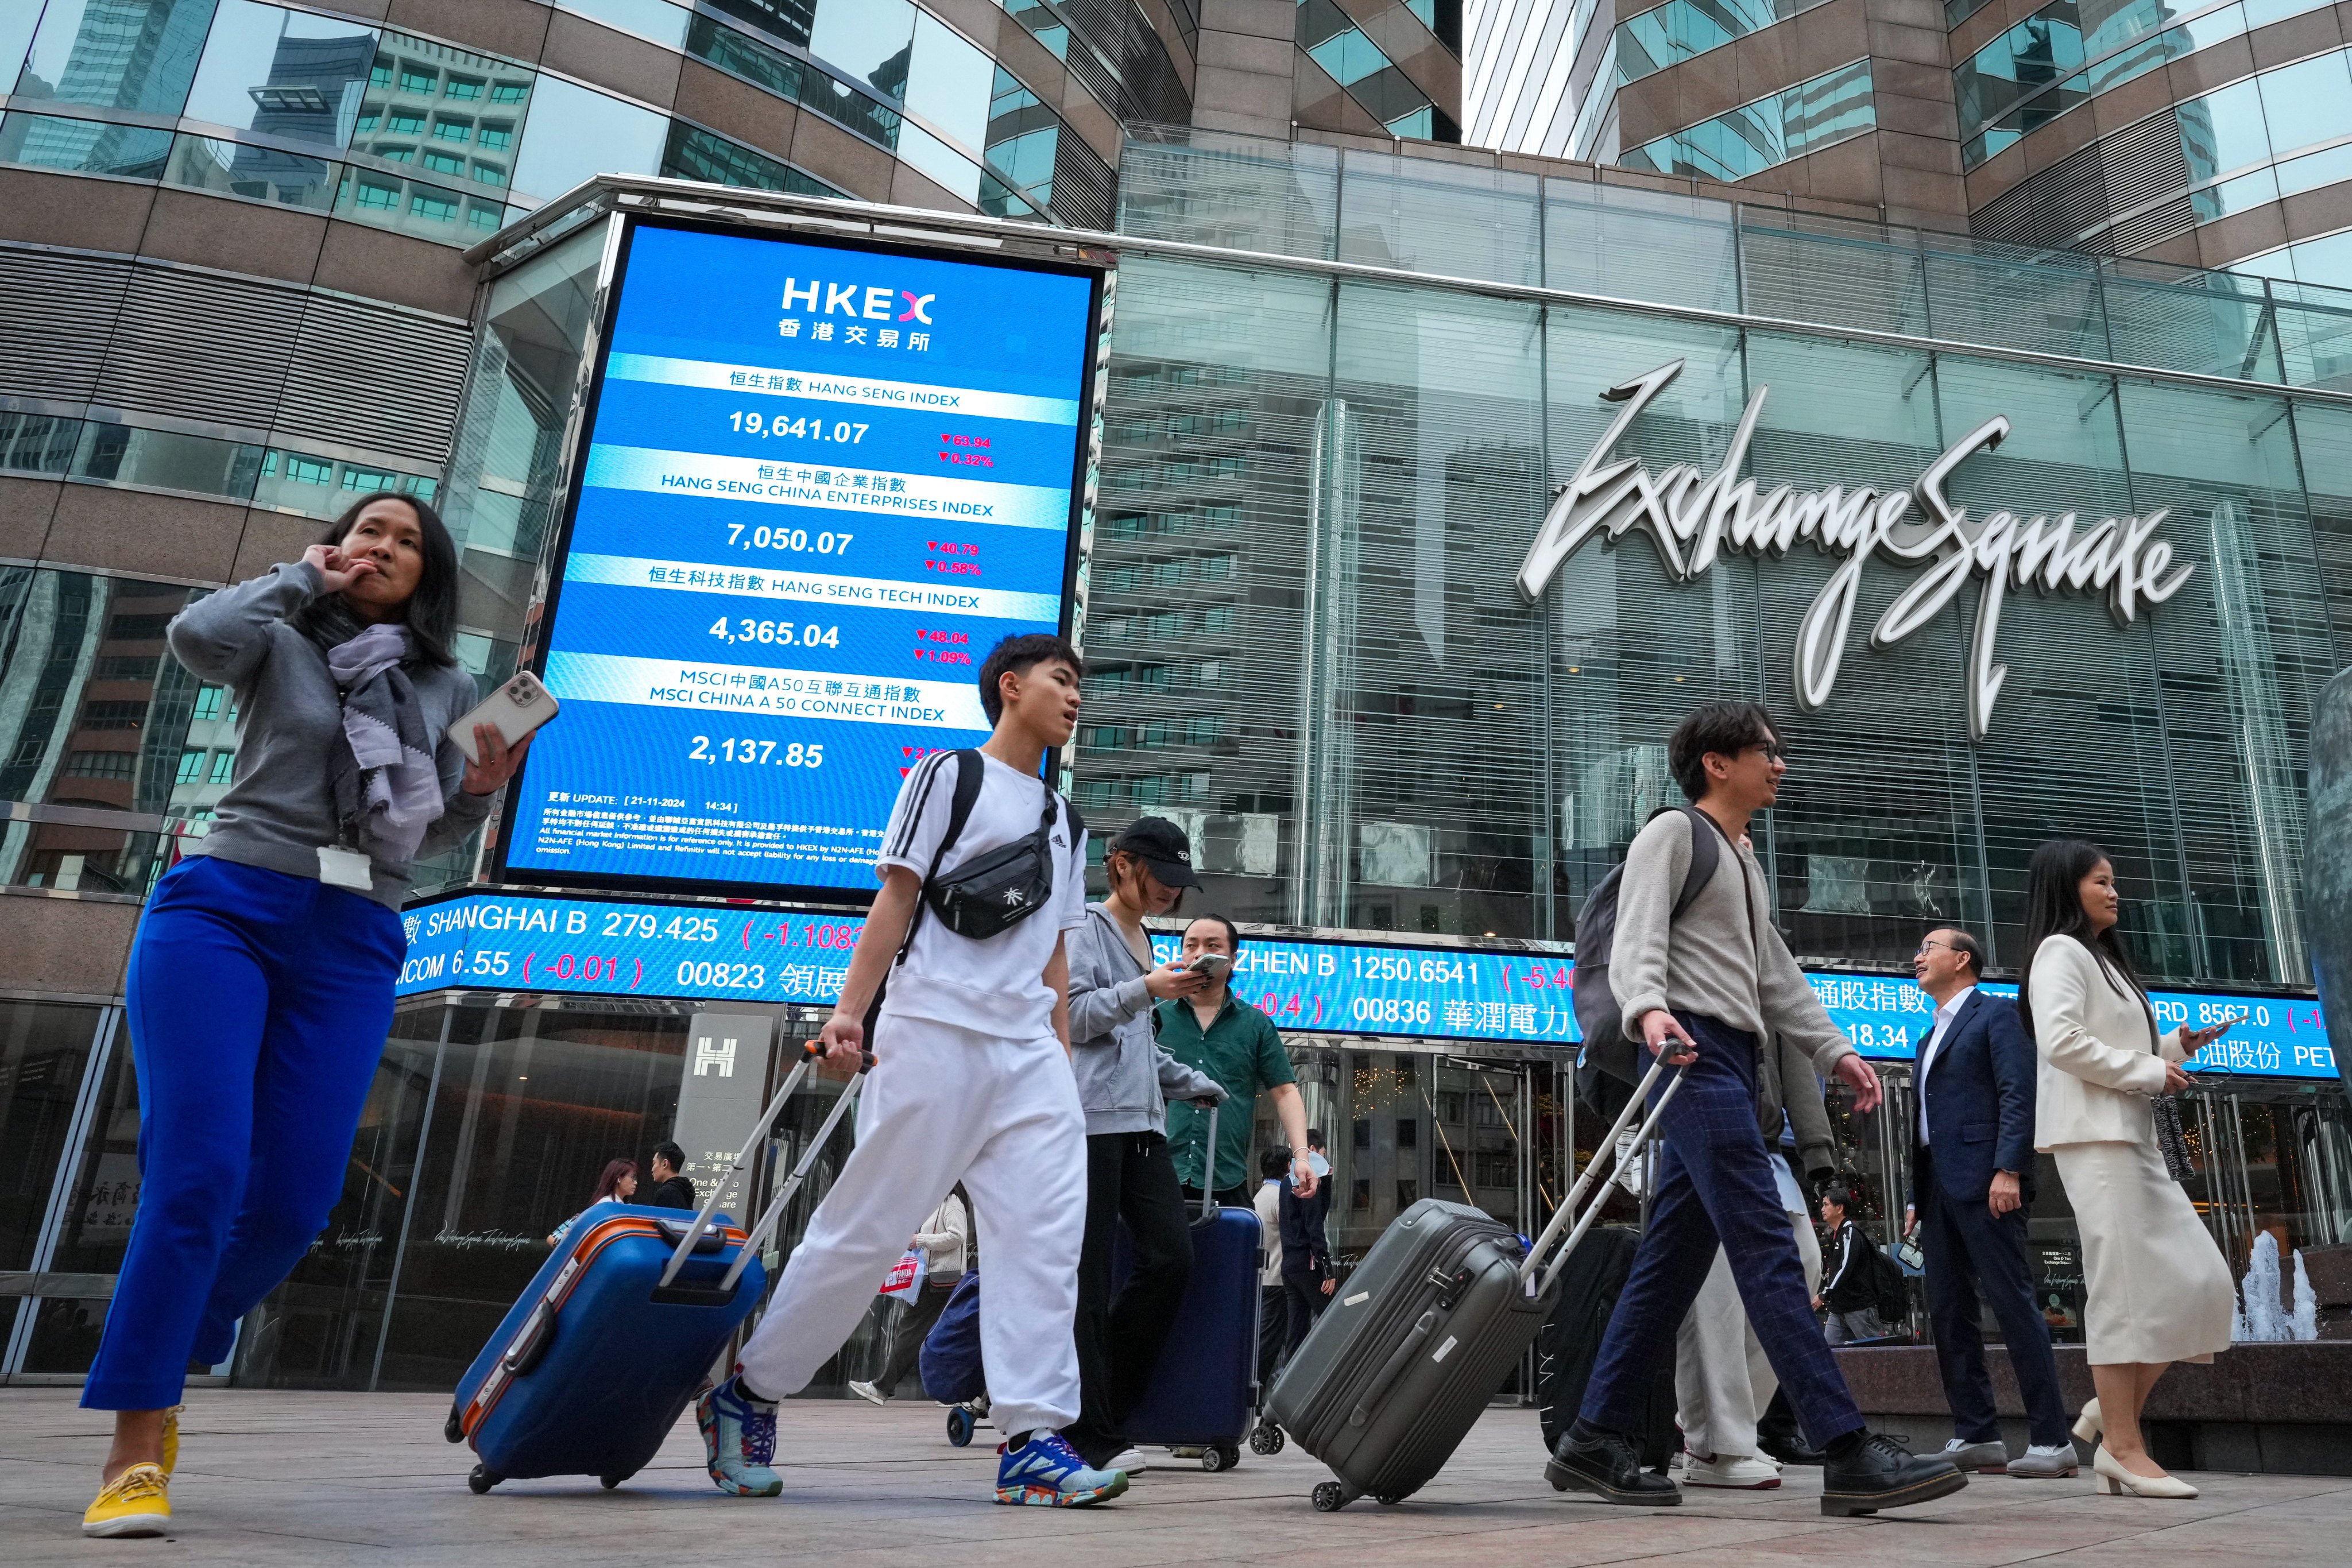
x=818, y=481
x=499, y=942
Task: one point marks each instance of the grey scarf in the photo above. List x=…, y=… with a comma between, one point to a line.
x=387, y=789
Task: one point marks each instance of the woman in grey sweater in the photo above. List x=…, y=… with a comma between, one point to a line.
x=1124, y=1081
x=260, y=985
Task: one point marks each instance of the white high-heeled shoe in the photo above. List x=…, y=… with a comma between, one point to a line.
x=2091, y=1426
x=2116, y=1481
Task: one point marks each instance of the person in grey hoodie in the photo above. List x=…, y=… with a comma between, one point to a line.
x=1125, y=1081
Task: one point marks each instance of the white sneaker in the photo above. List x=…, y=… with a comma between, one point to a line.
x=1987, y=1458
x=2041, y=1464
x=1131, y=1460
x=1747, y=1472
x=867, y=1392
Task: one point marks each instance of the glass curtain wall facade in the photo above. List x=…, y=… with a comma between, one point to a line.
x=1319, y=491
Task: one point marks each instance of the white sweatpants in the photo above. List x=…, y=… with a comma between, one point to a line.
x=941, y=1106
x=1722, y=1379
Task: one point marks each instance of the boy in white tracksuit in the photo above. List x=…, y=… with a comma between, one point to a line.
x=971, y=1082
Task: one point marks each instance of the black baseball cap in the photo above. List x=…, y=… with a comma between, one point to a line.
x=1162, y=845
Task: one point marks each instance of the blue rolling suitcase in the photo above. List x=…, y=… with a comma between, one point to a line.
x=594, y=1364
x=1203, y=1393
x=952, y=1371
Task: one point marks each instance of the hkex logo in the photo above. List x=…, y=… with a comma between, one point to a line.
x=856, y=300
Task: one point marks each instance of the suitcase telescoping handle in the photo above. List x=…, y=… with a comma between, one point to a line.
x=1208, y=1169
x=1532, y=1266
x=811, y=1054
x=769, y=1218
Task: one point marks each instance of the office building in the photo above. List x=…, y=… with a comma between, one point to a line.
x=2187, y=134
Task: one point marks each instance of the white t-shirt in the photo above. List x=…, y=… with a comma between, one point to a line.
x=995, y=987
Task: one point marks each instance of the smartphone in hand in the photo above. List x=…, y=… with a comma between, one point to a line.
x=515, y=710
x=1216, y=966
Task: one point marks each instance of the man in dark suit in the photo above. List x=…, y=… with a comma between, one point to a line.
x=1972, y=1177
x=1307, y=1276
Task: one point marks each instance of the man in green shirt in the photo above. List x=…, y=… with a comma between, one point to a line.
x=1236, y=1044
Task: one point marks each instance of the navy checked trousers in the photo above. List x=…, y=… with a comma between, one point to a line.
x=1715, y=1188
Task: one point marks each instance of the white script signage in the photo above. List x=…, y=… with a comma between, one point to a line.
x=1691, y=515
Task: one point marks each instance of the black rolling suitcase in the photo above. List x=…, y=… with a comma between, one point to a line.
x=1424, y=1332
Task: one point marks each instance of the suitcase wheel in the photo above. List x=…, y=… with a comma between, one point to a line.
x=483, y=1479
x=609, y=1483
x=1330, y=1497
x=454, y=1428
x=1266, y=1439
x=959, y=1424
x=1215, y=1458
x=1388, y=1499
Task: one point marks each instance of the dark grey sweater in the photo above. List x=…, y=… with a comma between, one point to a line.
x=279, y=810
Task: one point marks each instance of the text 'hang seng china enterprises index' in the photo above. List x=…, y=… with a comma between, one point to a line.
x=820, y=483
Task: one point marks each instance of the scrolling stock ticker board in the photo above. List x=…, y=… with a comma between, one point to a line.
x=524, y=942
x=820, y=481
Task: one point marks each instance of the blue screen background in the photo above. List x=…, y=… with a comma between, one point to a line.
x=821, y=483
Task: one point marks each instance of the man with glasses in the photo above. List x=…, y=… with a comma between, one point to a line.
x=1703, y=980
x=1972, y=1180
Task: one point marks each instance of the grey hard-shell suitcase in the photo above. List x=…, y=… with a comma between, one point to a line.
x=1424, y=1332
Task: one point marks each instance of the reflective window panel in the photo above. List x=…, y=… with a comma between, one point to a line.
x=283, y=73
x=1786, y=124
x=116, y=53
x=1680, y=29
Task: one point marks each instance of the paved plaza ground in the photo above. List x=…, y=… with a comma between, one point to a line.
x=272, y=1479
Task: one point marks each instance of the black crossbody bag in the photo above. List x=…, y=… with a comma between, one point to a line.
x=991, y=894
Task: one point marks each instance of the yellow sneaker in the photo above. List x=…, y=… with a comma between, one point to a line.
x=136, y=1503
x=171, y=1438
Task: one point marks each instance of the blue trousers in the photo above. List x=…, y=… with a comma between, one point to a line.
x=258, y=1007
x=1715, y=1188
x=1967, y=1251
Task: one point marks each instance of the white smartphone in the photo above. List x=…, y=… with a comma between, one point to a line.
x=1216, y=966
x=515, y=709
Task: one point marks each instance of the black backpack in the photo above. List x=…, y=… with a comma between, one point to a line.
x=1597, y=1013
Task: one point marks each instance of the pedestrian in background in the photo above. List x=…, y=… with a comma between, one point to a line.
x=2157, y=1288
x=1125, y=1082
x=669, y=1190
x=1273, y=1298
x=282, y=918
x=1214, y=1031
x=616, y=1183
x=1307, y=1277
x=1849, y=1290
x=943, y=1241
x=1971, y=1182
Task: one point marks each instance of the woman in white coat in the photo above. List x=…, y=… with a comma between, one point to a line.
x=2159, y=1290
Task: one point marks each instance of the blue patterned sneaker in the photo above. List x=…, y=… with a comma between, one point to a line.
x=739, y=1435
x=1047, y=1471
